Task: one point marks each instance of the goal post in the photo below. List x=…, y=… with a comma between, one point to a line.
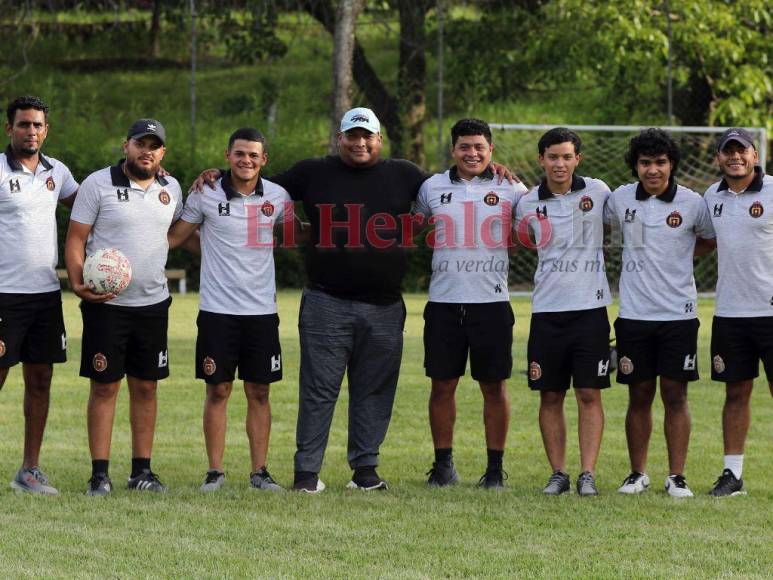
x=603, y=148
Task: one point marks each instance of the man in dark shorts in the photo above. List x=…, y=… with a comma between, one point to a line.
x=569, y=334
x=741, y=210
x=131, y=207
x=657, y=330
x=31, y=323
x=469, y=305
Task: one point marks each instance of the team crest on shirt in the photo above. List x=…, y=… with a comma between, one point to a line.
x=99, y=362
x=2, y=349
x=267, y=209
x=756, y=210
x=491, y=198
x=586, y=203
x=535, y=371
x=50, y=184
x=625, y=365
x=163, y=197
x=674, y=219
x=719, y=364
x=208, y=366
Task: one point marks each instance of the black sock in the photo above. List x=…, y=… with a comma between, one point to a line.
x=99, y=466
x=303, y=476
x=444, y=455
x=495, y=458
x=139, y=464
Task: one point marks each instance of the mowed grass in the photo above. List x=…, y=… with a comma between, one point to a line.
x=409, y=531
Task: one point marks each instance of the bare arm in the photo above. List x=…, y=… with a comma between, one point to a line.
x=180, y=232
x=704, y=246
x=69, y=201
x=74, y=256
x=207, y=177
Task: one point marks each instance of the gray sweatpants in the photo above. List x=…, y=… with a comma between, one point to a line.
x=365, y=341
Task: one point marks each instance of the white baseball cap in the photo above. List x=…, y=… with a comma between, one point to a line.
x=360, y=117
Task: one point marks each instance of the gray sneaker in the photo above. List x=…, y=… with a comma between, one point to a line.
x=213, y=481
x=557, y=484
x=586, y=484
x=262, y=480
x=99, y=485
x=33, y=480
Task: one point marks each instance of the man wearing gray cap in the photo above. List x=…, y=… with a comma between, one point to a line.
x=741, y=209
x=128, y=206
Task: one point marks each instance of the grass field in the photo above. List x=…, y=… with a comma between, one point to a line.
x=410, y=531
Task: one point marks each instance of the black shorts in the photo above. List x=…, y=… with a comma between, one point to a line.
x=738, y=344
x=485, y=330
x=32, y=329
x=125, y=340
x=647, y=349
x=569, y=347
x=228, y=341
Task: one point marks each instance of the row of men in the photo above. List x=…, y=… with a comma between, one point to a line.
x=352, y=315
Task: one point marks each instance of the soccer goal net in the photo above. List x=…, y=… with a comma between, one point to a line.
x=603, y=148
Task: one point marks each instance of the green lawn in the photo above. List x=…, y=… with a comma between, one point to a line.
x=410, y=531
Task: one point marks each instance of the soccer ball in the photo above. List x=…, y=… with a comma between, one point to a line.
x=107, y=270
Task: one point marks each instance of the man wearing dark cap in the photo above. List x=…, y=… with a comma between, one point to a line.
x=31, y=322
x=128, y=206
x=741, y=210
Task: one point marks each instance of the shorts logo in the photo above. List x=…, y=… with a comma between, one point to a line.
x=625, y=365
x=756, y=210
x=535, y=371
x=276, y=363
x=64, y=341
x=99, y=362
x=719, y=364
x=2, y=349
x=50, y=184
x=689, y=362
x=491, y=198
x=674, y=219
x=267, y=209
x=163, y=197
x=603, y=369
x=208, y=366
x=586, y=204
x=163, y=359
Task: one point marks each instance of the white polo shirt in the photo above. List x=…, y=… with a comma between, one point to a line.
x=473, y=220
x=135, y=221
x=743, y=222
x=569, y=233
x=28, y=235
x=659, y=234
x=237, y=239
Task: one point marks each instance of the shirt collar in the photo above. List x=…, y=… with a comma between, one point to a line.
x=16, y=165
x=666, y=197
x=120, y=179
x=544, y=193
x=230, y=192
x=755, y=186
x=453, y=174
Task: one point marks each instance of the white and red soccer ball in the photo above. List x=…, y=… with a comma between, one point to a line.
x=107, y=271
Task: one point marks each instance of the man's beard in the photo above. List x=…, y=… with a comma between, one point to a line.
x=138, y=171
x=26, y=151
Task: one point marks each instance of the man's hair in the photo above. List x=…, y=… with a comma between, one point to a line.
x=557, y=136
x=652, y=142
x=24, y=103
x=470, y=127
x=247, y=134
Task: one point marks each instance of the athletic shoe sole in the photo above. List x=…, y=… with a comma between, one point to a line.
x=16, y=486
x=382, y=485
x=320, y=488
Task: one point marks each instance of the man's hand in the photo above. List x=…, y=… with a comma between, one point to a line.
x=207, y=177
x=85, y=293
x=503, y=173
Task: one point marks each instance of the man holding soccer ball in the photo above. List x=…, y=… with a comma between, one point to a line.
x=128, y=207
x=31, y=322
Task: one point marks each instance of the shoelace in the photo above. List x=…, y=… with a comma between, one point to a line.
x=725, y=479
x=264, y=475
x=557, y=477
x=632, y=478
x=585, y=478
x=212, y=476
x=39, y=475
x=679, y=481
x=495, y=474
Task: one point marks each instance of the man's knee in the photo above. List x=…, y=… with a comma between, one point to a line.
x=443, y=389
x=218, y=393
x=552, y=399
x=494, y=392
x=674, y=396
x=588, y=397
x=37, y=379
x=738, y=394
x=104, y=390
x=256, y=392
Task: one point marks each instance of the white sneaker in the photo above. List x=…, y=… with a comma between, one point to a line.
x=676, y=486
x=635, y=483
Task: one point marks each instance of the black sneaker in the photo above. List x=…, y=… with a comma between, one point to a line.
x=442, y=475
x=557, y=484
x=727, y=485
x=99, y=485
x=366, y=479
x=262, y=480
x=494, y=478
x=308, y=482
x=146, y=481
